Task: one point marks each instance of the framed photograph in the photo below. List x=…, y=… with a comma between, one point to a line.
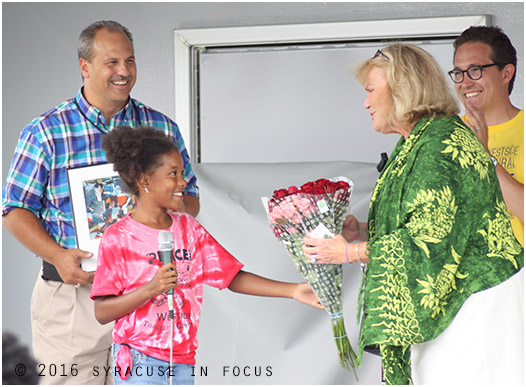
x=98, y=200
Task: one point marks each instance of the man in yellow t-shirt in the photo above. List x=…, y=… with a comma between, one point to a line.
x=485, y=64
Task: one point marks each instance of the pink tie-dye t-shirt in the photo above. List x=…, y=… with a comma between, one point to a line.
x=128, y=258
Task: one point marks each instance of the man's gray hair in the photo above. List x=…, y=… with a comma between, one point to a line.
x=85, y=44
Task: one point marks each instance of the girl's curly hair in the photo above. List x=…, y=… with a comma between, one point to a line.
x=136, y=151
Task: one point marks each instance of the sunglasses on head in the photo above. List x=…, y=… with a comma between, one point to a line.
x=382, y=55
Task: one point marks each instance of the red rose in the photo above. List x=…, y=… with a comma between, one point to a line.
x=293, y=190
x=280, y=193
x=317, y=191
x=330, y=188
x=310, y=189
x=307, y=186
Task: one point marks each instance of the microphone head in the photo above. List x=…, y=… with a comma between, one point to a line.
x=166, y=241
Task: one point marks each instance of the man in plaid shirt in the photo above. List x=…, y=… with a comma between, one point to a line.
x=36, y=206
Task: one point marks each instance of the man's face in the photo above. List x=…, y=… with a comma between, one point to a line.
x=111, y=74
x=488, y=91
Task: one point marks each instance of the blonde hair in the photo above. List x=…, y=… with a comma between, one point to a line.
x=417, y=83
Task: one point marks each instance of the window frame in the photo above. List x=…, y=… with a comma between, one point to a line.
x=188, y=42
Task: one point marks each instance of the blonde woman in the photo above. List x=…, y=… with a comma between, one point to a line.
x=441, y=297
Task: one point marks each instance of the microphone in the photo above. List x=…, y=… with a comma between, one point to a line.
x=166, y=250
x=382, y=162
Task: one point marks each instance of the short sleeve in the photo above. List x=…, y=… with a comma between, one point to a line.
x=219, y=266
x=109, y=275
x=27, y=177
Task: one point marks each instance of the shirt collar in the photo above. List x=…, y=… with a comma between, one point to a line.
x=94, y=115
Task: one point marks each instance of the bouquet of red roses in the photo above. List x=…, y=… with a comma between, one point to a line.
x=317, y=209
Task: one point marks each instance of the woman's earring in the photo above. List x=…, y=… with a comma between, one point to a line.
x=146, y=190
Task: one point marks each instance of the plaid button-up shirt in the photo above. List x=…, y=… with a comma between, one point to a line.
x=64, y=138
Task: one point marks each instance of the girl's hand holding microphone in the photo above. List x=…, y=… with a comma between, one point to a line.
x=110, y=308
x=164, y=280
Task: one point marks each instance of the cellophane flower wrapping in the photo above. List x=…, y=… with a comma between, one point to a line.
x=318, y=209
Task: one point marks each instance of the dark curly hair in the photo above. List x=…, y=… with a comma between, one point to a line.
x=17, y=357
x=136, y=151
x=502, y=51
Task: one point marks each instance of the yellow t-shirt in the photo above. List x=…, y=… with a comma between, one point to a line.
x=506, y=144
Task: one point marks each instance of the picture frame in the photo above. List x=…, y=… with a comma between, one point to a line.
x=98, y=199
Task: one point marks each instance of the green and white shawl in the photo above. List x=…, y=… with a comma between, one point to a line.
x=439, y=231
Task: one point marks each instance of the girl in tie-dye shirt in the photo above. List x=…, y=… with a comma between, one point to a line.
x=131, y=283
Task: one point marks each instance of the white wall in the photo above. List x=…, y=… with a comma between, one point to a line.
x=40, y=69
x=271, y=112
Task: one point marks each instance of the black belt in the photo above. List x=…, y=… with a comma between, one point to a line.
x=50, y=273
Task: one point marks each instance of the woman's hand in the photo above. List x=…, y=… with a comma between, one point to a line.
x=325, y=250
x=164, y=280
x=353, y=230
x=304, y=293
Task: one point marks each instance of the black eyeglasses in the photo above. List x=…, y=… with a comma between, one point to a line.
x=382, y=55
x=474, y=72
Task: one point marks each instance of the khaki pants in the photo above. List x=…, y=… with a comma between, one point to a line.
x=70, y=346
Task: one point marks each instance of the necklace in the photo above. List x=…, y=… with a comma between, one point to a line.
x=103, y=131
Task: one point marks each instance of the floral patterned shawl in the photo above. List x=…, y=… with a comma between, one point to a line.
x=439, y=231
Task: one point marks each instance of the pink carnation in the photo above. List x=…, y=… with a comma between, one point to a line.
x=287, y=209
